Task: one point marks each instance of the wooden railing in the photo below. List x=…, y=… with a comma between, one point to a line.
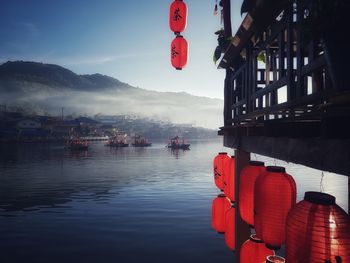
x=277, y=70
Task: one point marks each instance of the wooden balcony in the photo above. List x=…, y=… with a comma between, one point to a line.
x=284, y=97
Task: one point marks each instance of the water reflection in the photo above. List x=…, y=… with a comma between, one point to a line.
x=104, y=206
x=177, y=153
x=77, y=154
x=114, y=205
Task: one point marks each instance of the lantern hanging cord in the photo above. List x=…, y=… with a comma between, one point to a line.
x=274, y=161
x=321, y=182
x=256, y=158
x=216, y=8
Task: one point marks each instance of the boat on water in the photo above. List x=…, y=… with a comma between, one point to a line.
x=77, y=144
x=118, y=141
x=140, y=141
x=178, y=143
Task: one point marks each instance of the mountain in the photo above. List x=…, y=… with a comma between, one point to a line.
x=54, y=75
x=46, y=88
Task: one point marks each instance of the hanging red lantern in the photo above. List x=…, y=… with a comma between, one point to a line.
x=179, y=52
x=219, y=208
x=219, y=169
x=254, y=251
x=274, y=196
x=229, y=178
x=230, y=239
x=318, y=230
x=178, y=16
x=248, y=176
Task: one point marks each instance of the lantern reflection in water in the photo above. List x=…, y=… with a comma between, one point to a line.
x=220, y=206
x=254, y=250
x=230, y=228
x=318, y=230
x=275, y=194
x=248, y=177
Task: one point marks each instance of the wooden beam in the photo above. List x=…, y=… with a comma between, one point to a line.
x=270, y=87
x=242, y=230
x=226, y=4
x=331, y=155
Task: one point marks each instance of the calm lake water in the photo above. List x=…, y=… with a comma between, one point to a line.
x=119, y=205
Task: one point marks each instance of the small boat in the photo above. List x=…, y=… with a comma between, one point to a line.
x=178, y=143
x=77, y=144
x=118, y=141
x=140, y=141
x=115, y=143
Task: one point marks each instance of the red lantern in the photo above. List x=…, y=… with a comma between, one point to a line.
x=230, y=228
x=219, y=169
x=219, y=208
x=248, y=177
x=318, y=230
x=229, y=178
x=254, y=251
x=274, y=196
x=179, y=52
x=178, y=16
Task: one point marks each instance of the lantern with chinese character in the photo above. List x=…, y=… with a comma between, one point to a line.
x=219, y=169
x=229, y=178
x=178, y=16
x=274, y=196
x=219, y=208
x=318, y=230
x=179, y=52
x=230, y=239
x=248, y=176
x=254, y=251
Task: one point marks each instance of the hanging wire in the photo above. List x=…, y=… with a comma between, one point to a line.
x=321, y=182
x=274, y=161
x=256, y=158
x=222, y=16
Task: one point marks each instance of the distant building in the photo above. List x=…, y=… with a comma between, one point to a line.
x=28, y=124
x=63, y=128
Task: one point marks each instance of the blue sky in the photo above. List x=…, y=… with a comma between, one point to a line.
x=128, y=40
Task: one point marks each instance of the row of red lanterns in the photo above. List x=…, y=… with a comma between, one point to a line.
x=223, y=208
x=223, y=211
x=267, y=197
x=263, y=205
x=177, y=23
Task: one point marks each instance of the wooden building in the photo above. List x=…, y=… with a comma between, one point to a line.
x=286, y=91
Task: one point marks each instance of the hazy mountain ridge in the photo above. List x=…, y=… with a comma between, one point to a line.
x=57, y=76
x=47, y=87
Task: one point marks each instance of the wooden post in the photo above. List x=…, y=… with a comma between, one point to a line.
x=348, y=195
x=228, y=99
x=227, y=18
x=242, y=230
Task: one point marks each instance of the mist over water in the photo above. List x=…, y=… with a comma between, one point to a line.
x=168, y=106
